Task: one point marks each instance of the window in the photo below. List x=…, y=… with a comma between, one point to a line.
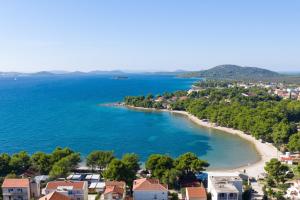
x=222, y=196
x=10, y=190
x=19, y=190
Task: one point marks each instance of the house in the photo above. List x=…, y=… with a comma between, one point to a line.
x=195, y=193
x=16, y=189
x=144, y=189
x=75, y=190
x=290, y=159
x=92, y=178
x=293, y=192
x=75, y=177
x=55, y=196
x=225, y=186
x=97, y=187
x=114, y=190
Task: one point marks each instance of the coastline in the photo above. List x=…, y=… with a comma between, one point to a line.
x=266, y=151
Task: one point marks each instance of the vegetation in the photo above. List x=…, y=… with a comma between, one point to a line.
x=124, y=169
x=59, y=163
x=253, y=111
x=171, y=171
x=99, y=159
x=233, y=72
x=275, y=186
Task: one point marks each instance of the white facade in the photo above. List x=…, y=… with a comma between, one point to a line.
x=149, y=195
x=15, y=193
x=225, y=186
x=293, y=192
x=74, y=194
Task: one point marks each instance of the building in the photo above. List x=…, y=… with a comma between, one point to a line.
x=16, y=189
x=195, y=193
x=290, y=159
x=92, y=178
x=293, y=192
x=145, y=189
x=114, y=190
x=225, y=186
x=75, y=190
x=97, y=187
x=55, y=196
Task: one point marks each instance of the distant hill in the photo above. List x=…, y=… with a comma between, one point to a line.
x=234, y=72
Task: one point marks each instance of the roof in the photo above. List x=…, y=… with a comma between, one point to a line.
x=196, y=192
x=114, y=189
x=92, y=177
x=145, y=184
x=53, y=185
x=13, y=182
x=55, y=196
x=99, y=185
x=115, y=183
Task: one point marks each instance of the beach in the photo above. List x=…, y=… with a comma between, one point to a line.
x=266, y=151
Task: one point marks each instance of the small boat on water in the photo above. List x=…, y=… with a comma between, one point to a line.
x=120, y=77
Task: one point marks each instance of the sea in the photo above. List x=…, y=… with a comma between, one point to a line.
x=39, y=113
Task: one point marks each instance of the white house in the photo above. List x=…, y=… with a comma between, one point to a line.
x=16, y=189
x=75, y=190
x=225, y=186
x=147, y=189
x=293, y=192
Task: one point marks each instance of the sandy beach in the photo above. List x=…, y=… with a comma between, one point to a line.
x=266, y=151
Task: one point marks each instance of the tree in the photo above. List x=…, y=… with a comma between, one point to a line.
x=159, y=164
x=281, y=132
x=60, y=153
x=99, y=159
x=294, y=142
x=4, y=164
x=41, y=162
x=189, y=162
x=62, y=167
x=171, y=178
x=131, y=162
x=116, y=170
x=276, y=170
x=20, y=162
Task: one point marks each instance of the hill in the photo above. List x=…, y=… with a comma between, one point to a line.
x=234, y=72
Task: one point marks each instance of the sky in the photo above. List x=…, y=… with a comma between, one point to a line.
x=148, y=35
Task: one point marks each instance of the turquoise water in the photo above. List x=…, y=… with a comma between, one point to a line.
x=40, y=113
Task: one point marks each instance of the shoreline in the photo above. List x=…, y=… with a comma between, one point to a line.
x=266, y=151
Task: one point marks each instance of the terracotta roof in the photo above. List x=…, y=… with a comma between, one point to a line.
x=121, y=184
x=114, y=189
x=148, y=185
x=54, y=184
x=55, y=196
x=13, y=182
x=195, y=192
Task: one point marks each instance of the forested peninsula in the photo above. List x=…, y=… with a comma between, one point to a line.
x=253, y=110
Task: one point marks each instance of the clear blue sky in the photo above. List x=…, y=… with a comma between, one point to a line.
x=148, y=35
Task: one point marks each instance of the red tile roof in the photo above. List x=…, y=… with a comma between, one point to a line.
x=114, y=189
x=76, y=184
x=55, y=196
x=195, y=192
x=13, y=182
x=121, y=184
x=148, y=185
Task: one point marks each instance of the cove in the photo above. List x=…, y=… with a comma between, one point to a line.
x=40, y=113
